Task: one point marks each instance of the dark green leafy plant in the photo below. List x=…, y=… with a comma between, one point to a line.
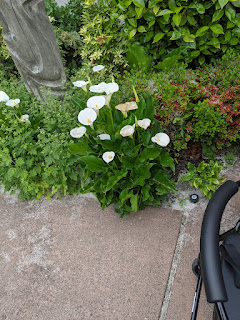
x=205, y=177
x=127, y=168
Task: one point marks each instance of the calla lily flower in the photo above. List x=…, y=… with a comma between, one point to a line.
x=127, y=131
x=25, y=118
x=125, y=107
x=99, y=88
x=13, y=103
x=78, y=132
x=110, y=89
x=162, y=139
x=3, y=97
x=104, y=136
x=81, y=84
x=144, y=123
x=96, y=102
x=87, y=116
x=98, y=68
x=108, y=156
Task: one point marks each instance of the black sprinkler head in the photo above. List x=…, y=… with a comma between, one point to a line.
x=194, y=198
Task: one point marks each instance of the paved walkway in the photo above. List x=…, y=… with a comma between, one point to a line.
x=69, y=260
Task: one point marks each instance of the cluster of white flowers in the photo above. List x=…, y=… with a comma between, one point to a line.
x=13, y=103
x=88, y=115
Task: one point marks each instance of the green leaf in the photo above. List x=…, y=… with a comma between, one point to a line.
x=136, y=55
x=228, y=35
x=93, y=163
x=132, y=33
x=134, y=202
x=156, y=9
x=158, y=37
x=200, y=8
x=141, y=29
x=133, y=22
x=168, y=62
x=139, y=3
x=166, y=160
x=177, y=18
x=149, y=110
x=118, y=175
x=149, y=154
x=217, y=29
x=81, y=148
x=191, y=20
x=124, y=195
x=172, y=5
x=146, y=191
x=214, y=42
x=217, y=15
x=222, y=3
x=189, y=38
x=201, y=31
x=164, y=12
x=139, y=11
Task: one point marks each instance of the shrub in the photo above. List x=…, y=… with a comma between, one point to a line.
x=171, y=30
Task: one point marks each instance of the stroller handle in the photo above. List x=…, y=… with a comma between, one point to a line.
x=209, y=243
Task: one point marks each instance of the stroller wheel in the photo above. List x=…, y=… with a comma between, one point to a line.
x=196, y=267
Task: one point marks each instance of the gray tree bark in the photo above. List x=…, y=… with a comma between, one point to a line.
x=32, y=43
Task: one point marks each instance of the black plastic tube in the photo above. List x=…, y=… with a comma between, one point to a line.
x=209, y=244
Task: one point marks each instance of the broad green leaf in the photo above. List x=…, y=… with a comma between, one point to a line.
x=81, y=148
x=228, y=35
x=172, y=5
x=166, y=160
x=146, y=136
x=149, y=111
x=230, y=25
x=164, y=12
x=217, y=29
x=141, y=29
x=136, y=55
x=124, y=195
x=177, y=18
x=139, y=3
x=126, y=3
x=133, y=22
x=156, y=9
x=201, y=31
x=191, y=20
x=201, y=59
x=142, y=173
x=146, y=191
x=151, y=23
x=149, y=154
x=93, y=163
x=118, y=175
x=158, y=37
x=139, y=11
x=200, y=8
x=168, y=62
x=134, y=202
x=234, y=41
x=189, y=38
x=223, y=3
x=132, y=33
x=217, y=15
x=195, y=53
x=214, y=42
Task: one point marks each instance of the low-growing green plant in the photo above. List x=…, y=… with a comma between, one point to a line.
x=34, y=138
x=205, y=177
x=121, y=152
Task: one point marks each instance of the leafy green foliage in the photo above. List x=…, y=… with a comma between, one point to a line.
x=205, y=177
x=200, y=29
x=139, y=173
x=34, y=157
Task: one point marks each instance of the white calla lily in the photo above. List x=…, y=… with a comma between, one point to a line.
x=87, y=116
x=108, y=156
x=110, y=89
x=127, y=131
x=99, y=88
x=104, y=136
x=162, y=139
x=24, y=118
x=144, y=123
x=78, y=132
x=81, y=84
x=98, y=68
x=13, y=102
x=3, y=96
x=96, y=102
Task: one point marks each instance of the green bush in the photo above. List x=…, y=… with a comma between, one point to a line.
x=171, y=30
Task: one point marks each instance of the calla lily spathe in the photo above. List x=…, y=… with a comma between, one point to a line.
x=127, y=106
x=13, y=102
x=108, y=156
x=81, y=84
x=78, y=132
x=144, y=123
x=99, y=88
x=3, y=96
x=96, y=102
x=104, y=136
x=110, y=89
x=127, y=131
x=87, y=116
x=24, y=118
x=98, y=68
x=162, y=139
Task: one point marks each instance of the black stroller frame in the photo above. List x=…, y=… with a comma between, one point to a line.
x=207, y=267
